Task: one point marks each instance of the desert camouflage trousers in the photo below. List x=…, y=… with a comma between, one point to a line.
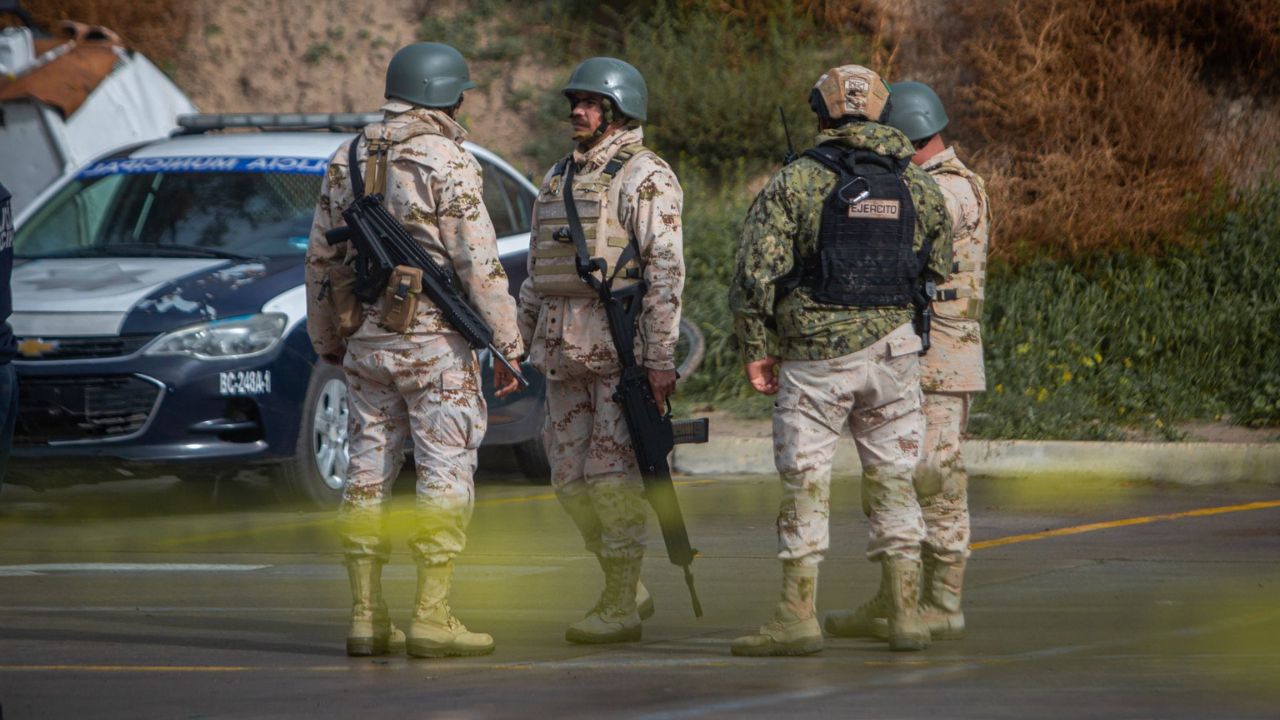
x=875, y=390
x=593, y=467
x=430, y=392
x=942, y=484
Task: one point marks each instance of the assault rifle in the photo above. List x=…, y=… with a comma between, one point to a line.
x=382, y=243
x=653, y=433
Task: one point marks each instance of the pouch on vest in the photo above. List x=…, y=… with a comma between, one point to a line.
x=347, y=308
x=400, y=299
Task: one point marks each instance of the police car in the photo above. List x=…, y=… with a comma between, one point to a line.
x=159, y=308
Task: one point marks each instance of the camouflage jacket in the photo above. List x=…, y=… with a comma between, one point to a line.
x=559, y=329
x=955, y=364
x=783, y=223
x=434, y=188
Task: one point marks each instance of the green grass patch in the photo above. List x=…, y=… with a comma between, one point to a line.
x=1137, y=343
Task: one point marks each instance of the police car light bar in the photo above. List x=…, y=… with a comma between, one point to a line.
x=201, y=123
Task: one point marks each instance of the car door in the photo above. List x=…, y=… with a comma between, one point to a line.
x=509, y=199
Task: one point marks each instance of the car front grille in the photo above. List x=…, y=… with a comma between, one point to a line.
x=63, y=409
x=35, y=349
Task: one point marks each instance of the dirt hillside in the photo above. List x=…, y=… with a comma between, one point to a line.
x=330, y=56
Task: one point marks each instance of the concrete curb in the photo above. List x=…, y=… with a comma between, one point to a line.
x=1184, y=463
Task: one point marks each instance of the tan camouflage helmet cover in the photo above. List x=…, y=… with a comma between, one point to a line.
x=851, y=91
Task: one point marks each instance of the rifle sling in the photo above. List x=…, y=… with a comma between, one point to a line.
x=583, y=260
x=357, y=181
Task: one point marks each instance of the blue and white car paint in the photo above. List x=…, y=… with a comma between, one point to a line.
x=134, y=365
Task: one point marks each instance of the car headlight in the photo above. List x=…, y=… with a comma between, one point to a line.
x=235, y=337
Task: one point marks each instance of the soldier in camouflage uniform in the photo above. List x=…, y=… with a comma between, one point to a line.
x=952, y=372
x=629, y=204
x=855, y=360
x=416, y=379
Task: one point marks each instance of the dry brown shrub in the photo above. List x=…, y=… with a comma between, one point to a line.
x=848, y=16
x=1090, y=129
x=155, y=28
x=1100, y=124
x=1237, y=40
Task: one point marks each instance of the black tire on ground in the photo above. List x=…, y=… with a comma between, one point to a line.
x=531, y=457
x=318, y=470
x=690, y=349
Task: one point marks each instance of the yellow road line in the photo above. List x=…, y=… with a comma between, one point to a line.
x=1091, y=527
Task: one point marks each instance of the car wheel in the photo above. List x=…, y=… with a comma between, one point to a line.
x=318, y=470
x=531, y=458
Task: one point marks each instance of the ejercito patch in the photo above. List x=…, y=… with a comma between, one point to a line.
x=876, y=209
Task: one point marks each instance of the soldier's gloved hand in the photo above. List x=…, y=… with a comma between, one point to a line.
x=662, y=383
x=763, y=374
x=504, y=383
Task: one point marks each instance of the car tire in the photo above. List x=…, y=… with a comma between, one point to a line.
x=318, y=470
x=531, y=458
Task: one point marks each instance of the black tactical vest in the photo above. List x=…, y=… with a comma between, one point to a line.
x=865, y=256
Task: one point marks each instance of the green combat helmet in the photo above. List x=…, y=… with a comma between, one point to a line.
x=428, y=74
x=614, y=79
x=849, y=92
x=916, y=111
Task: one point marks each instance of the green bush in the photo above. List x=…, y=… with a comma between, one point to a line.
x=713, y=216
x=715, y=80
x=1139, y=343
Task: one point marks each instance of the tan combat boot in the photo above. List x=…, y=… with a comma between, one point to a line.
x=793, y=630
x=940, y=603
x=615, y=618
x=907, y=630
x=644, y=601
x=862, y=622
x=435, y=632
x=371, y=631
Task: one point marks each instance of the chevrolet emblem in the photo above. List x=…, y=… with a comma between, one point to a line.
x=36, y=347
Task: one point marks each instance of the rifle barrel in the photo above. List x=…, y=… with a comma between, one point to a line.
x=693, y=592
x=515, y=371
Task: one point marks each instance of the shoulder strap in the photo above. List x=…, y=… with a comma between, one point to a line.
x=866, y=157
x=621, y=158
x=611, y=170
x=559, y=168
x=583, y=261
x=353, y=167
x=829, y=157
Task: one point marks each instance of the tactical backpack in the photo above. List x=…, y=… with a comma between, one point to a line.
x=864, y=256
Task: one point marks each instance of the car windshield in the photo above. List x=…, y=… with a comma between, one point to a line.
x=173, y=214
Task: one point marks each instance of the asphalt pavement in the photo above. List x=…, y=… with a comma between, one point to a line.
x=1103, y=598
